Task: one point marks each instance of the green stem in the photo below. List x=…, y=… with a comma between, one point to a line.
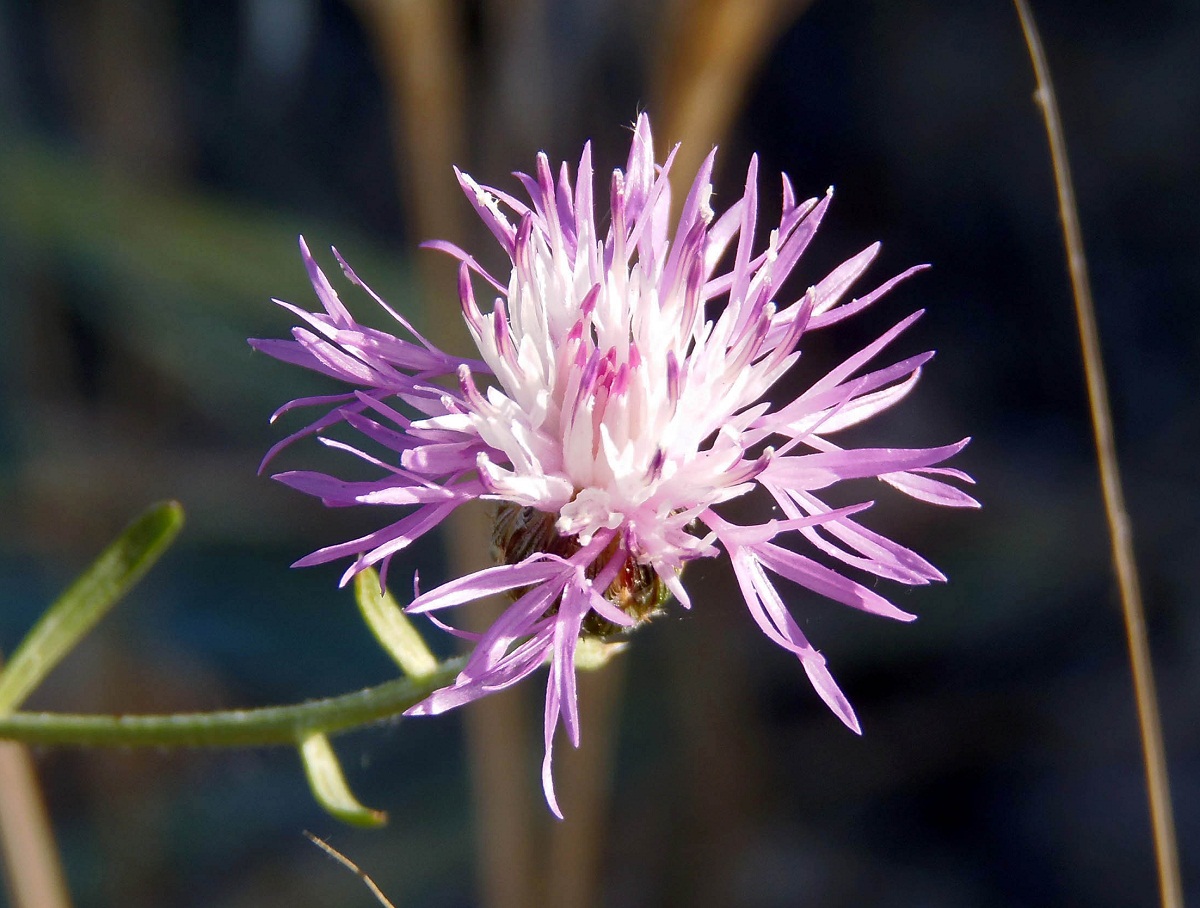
x=265, y=726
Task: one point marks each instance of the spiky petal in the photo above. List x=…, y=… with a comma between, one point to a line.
x=620, y=396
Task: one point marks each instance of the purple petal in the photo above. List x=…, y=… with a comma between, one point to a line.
x=826, y=582
x=325, y=292
x=816, y=471
x=773, y=618
x=931, y=490
x=486, y=582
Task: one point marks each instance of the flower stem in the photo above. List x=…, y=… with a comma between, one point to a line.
x=1153, y=750
x=265, y=726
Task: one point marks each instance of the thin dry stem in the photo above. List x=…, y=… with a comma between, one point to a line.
x=421, y=53
x=1165, y=848
x=351, y=866
x=573, y=874
x=35, y=878
x=716, y=48
x=31, y=865
x=421, y=60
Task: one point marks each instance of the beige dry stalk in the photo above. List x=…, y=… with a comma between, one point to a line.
x=1153, y=751
x=31, y=863
x=716, y=47
x=421, y=54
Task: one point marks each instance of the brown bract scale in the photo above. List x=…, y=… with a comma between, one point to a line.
x=520, y=532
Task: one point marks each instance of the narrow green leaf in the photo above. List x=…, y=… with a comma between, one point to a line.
x=88, y=600
x=392, y=628
x=329, y=786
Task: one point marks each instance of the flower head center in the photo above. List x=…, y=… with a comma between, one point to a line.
x=520, y=532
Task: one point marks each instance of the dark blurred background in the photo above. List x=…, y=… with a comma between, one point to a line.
x=158, y=160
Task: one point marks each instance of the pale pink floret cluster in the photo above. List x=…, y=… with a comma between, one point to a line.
x=622, y=386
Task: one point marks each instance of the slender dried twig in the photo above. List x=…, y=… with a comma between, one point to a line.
x=421, y=52
x=574, y=867
x=421, y=61
x=31, y=865
x=1154, y=754
x=351, y=866
x=715, y=47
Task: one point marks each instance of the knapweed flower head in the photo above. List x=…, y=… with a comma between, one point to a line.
x=620, y=397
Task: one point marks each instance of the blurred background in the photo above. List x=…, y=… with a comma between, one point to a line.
x=159, y=159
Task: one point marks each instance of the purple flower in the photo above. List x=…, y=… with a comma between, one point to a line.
x=620, y=398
